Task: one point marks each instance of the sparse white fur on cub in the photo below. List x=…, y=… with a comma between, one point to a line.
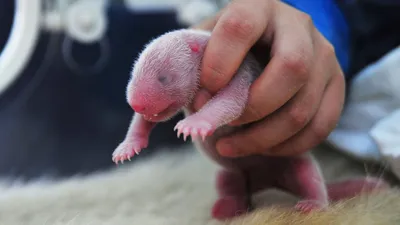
x=165, y=79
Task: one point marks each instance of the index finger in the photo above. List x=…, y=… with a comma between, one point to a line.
x=239, y=27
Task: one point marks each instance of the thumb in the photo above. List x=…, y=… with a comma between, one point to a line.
x=236, y=31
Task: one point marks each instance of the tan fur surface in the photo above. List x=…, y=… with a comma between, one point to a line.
x=376, y=209
x=177, y=189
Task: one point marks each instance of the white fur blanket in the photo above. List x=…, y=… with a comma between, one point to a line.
x=168, y=189
x=369, y=127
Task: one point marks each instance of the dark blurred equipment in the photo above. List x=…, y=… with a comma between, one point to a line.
x=374, y=30
x=66, y=112
x=58, y=121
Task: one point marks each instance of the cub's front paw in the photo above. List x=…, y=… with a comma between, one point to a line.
x=127, y=149
x=194, y=126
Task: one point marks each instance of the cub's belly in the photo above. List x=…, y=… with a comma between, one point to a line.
x=207, y=147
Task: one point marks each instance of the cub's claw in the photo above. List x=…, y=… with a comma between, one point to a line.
x=122, y=155
x=126, y=150
x=121, y=158
x=194, y=127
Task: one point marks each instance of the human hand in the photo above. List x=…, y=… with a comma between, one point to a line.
x=297, y=100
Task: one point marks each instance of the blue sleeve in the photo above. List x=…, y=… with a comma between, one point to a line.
x=330, y=21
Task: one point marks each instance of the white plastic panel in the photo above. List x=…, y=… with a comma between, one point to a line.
x=21, y=43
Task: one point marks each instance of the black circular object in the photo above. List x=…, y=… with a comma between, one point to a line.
x=55, y=122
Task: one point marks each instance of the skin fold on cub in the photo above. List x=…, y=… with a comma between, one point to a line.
x=164, y=81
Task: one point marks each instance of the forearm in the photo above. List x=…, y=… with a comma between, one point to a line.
x=139, y=127
x=136, y=139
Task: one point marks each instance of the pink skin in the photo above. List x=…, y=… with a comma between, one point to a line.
x=164, y=81
x=234, y=195
x=136, y=139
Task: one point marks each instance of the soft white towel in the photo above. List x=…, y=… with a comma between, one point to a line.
x=369, y=127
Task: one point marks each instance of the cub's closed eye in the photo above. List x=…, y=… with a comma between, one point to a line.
x=162, y=79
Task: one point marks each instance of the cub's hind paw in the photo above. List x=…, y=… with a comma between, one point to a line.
x=307, y=206
x=229, y=207
x=192, y=126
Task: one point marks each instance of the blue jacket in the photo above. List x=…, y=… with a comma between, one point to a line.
x=330, y=21
x=361, y=31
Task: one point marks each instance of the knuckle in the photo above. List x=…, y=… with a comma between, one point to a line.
x=239, y=23
x=341, y=80
x=320, y=131
x=297, y=64
x=289, y=148
x=293, y=148
x=339, y=75
x=253, y=113
x=215, y=74
x=306, y=19
x=248, y=116
x=298, y=117
x=328, y=51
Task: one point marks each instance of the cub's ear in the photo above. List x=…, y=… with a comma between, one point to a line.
x=194, y=41
x=194, y=46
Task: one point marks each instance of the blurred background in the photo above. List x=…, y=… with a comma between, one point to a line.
x=64, y=66
x=63, y=79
